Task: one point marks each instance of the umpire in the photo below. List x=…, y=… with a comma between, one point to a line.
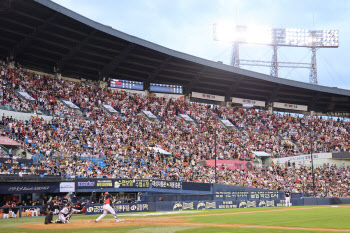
x=49, y=208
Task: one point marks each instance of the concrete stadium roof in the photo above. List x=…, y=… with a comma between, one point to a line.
x=41, y=35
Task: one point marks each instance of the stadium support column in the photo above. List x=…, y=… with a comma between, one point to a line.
x=274, y=65
x=235, y=55
x=313, y=68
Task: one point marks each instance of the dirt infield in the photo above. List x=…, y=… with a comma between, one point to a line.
x=170, y=221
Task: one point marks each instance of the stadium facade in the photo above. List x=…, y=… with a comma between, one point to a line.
x=42, y=35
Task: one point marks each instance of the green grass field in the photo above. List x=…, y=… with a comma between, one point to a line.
x=325, y=217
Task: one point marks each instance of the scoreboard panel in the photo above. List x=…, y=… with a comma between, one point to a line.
x=167, y=88
x=126, y=84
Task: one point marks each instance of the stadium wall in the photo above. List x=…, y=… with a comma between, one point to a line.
x=209, y=204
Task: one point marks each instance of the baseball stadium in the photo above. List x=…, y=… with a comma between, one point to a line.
x=102, y=131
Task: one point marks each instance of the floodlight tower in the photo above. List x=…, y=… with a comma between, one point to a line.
x=276, y=37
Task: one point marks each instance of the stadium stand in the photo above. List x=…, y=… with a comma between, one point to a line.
x=96, y=144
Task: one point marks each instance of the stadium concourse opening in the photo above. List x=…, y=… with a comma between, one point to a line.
x=83, y=136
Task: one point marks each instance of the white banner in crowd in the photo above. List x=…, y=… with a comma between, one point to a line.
x=70, y=104
x=25, y=95
x=149, y=114
x=186, y=117
x=227, y=123
x=109, y=108
x=290, y=106
x=248, y=102
x=208, y=96
x=66, y=187
x=302, y=158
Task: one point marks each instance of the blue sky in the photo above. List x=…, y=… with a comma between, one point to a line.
x=187, y=26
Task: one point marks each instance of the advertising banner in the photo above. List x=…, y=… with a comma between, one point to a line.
x=131, y=183
x=204, y=205
x=248, y=195
x=66, y=187
x=18, y=188
x=119, y=208
x=290, y=106
x=93, y=183
x=166, y=184
x=232, y=164
x=208, y=96
x=248, y=102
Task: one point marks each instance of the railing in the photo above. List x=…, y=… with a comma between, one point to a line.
x=33, y=178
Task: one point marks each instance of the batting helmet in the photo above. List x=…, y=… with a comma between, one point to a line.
x=106, y=193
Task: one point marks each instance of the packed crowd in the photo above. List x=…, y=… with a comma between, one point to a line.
x=123, y=143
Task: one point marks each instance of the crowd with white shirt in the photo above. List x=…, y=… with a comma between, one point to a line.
x=123, y=141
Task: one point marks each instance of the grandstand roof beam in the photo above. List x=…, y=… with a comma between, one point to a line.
x=94, y=54
x=46, y=50
x=5, y=7
x=83, y=67
x=54, y=24
x=19, y=23
x=274, y=93
x=44, y=58
x=331, y=106
x=132, y=77
x=27, y=40
x=159, y=68
x=193, y=82
x=130, y=70
x=236, y=85
x=94, y=46
x=73, y=51
x=114, y=63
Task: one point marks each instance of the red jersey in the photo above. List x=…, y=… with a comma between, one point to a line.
x=107, y=200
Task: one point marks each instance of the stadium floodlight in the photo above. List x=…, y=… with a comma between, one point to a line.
x=242, y=34
x=276, y=36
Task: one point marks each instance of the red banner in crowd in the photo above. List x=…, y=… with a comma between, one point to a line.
x=232, y=164
x=8, y=141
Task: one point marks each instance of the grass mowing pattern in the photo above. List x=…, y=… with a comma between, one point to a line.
x=243, y=230
x=318, y=217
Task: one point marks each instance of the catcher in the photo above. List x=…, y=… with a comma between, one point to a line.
x=66, y=213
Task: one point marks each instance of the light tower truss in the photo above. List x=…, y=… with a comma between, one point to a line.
x=276, y=37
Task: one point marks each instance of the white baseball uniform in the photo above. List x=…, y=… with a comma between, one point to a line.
x=63, y=215
x=107, y=208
